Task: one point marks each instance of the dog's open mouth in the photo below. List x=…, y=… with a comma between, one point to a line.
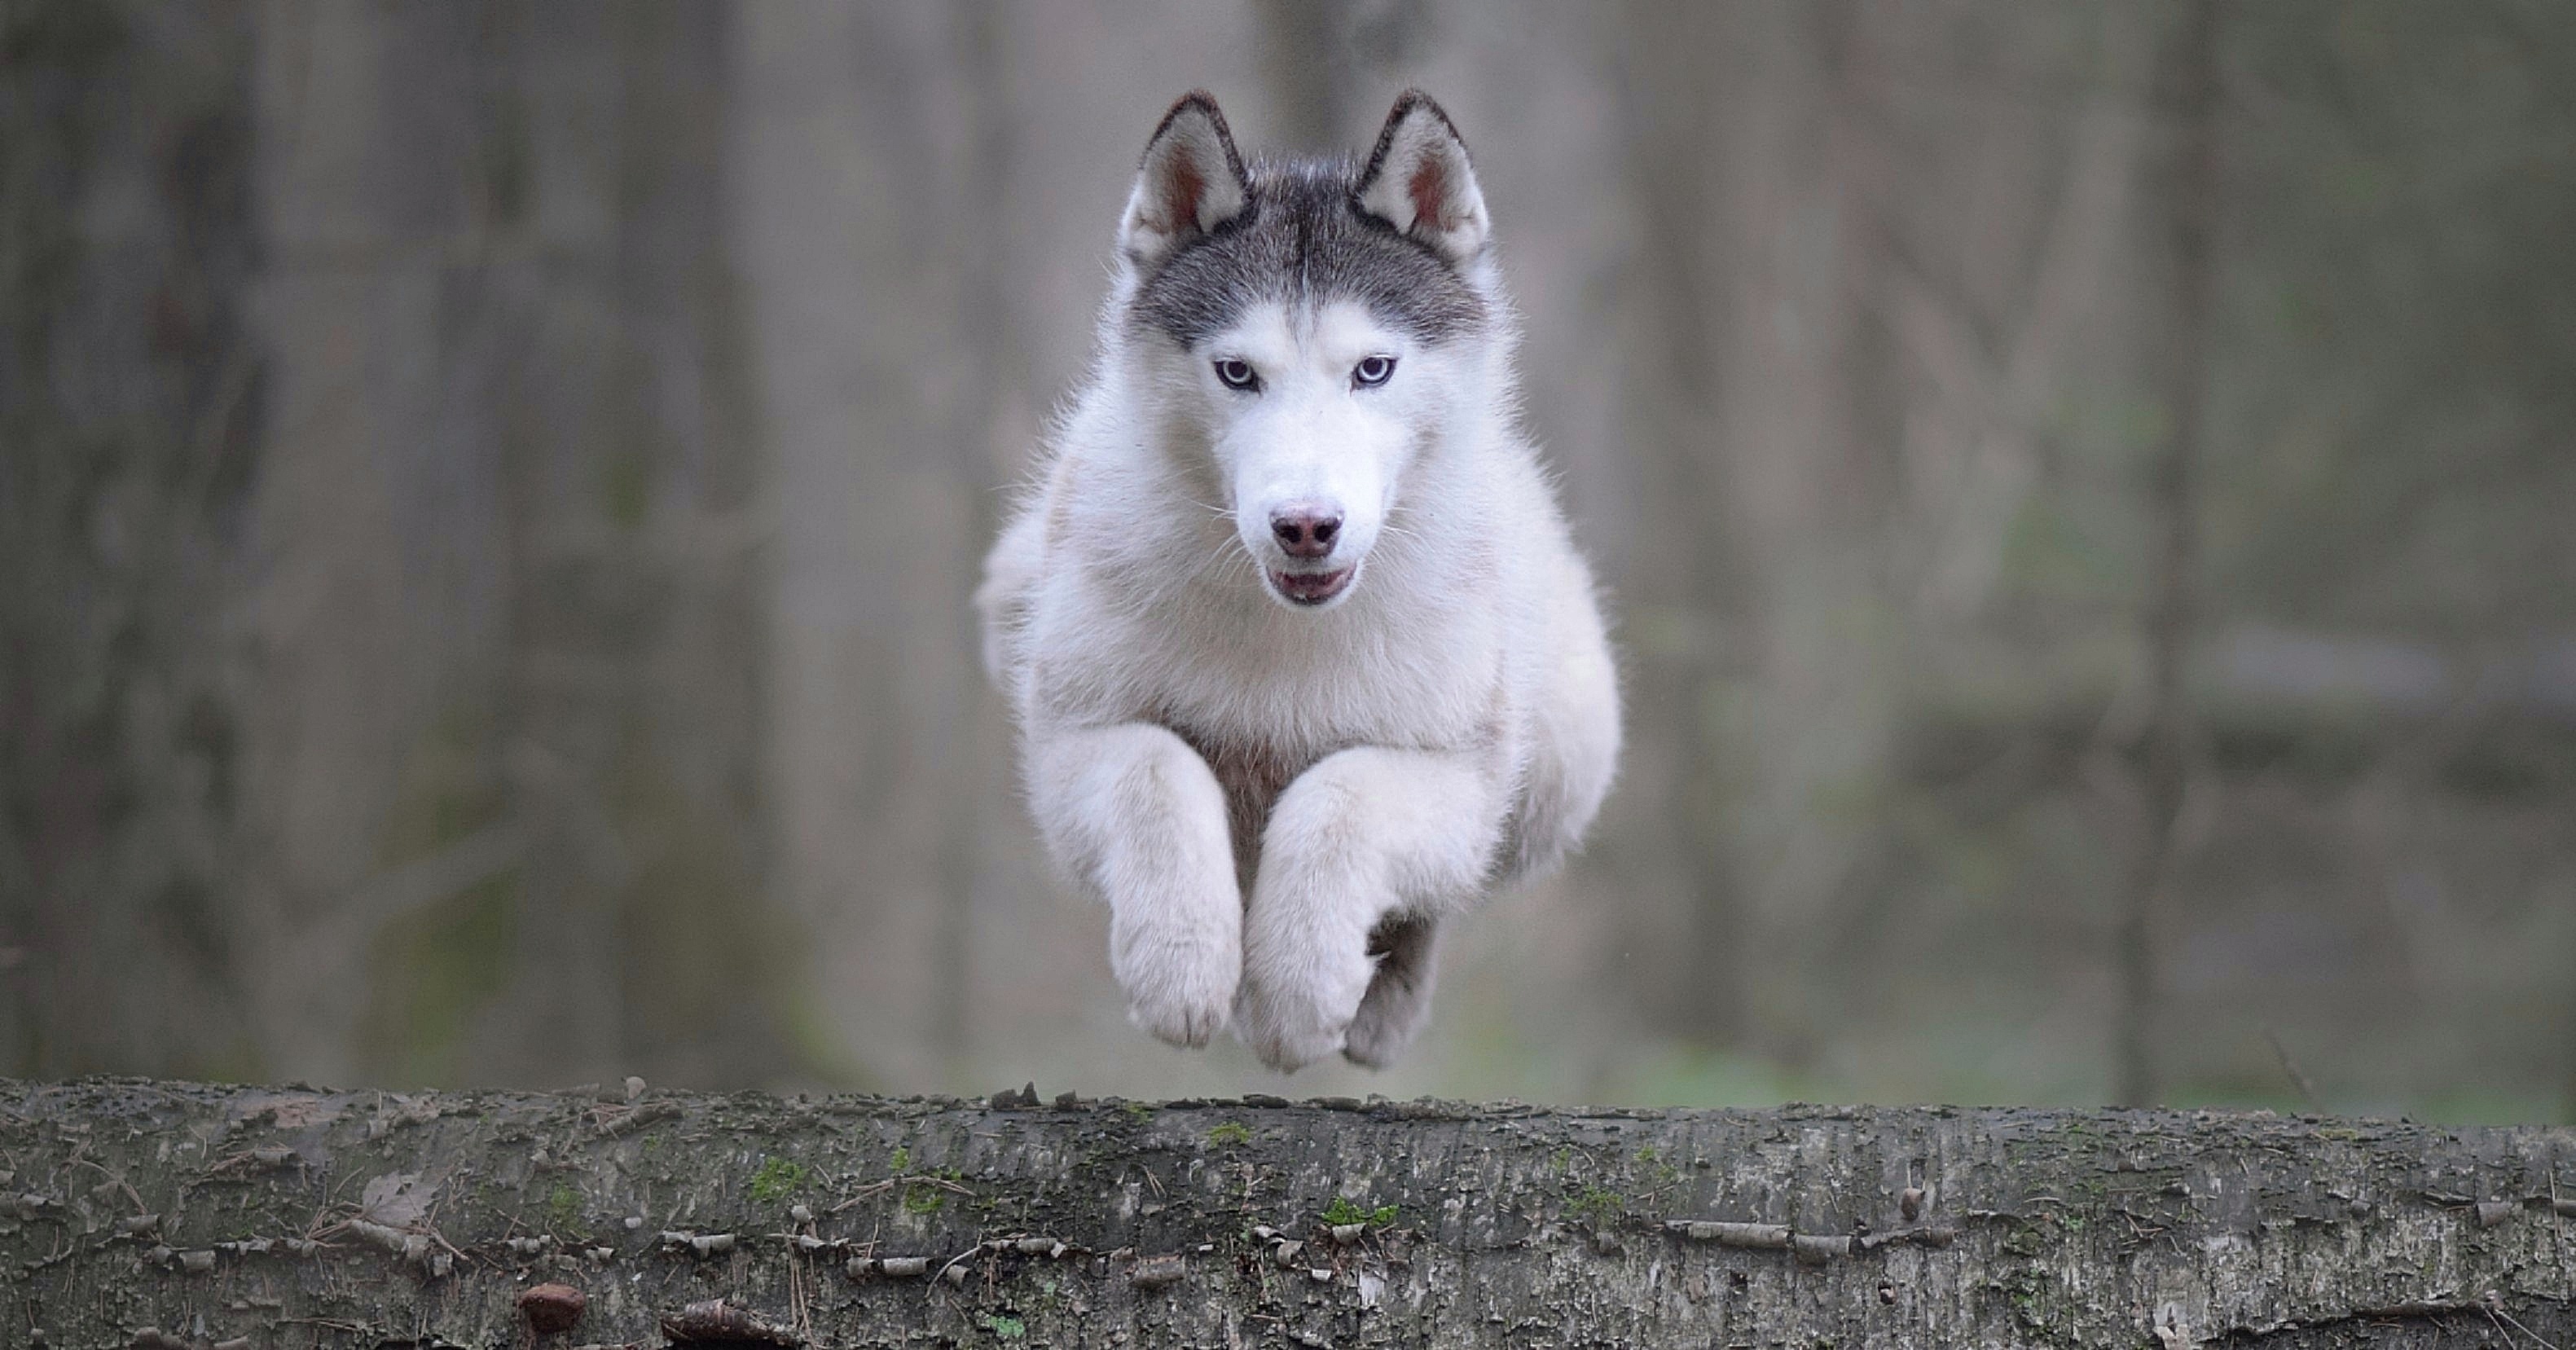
x=1311, y=588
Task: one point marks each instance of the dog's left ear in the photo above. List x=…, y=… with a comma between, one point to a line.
x=1418, y=180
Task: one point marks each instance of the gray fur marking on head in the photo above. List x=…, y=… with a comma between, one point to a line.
x=1305, y=241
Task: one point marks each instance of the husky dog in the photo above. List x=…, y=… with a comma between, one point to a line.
x=1302, y=656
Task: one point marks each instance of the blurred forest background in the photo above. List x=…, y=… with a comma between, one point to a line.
x=489, y=493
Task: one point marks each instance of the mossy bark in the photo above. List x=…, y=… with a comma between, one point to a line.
x=157, y=1214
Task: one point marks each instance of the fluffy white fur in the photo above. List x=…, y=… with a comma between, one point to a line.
x=1279, y=801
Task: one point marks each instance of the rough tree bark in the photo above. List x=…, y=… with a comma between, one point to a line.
x=149, y=1214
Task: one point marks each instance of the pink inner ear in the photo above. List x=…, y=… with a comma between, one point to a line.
x=1429, y=188
x=1182, y=189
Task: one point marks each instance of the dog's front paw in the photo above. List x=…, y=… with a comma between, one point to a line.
x=1186, y=1018
x=1180, y=981
x=1297, y=1005
x=1290, y=1031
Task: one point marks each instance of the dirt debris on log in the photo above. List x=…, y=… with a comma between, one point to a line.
x=137, y=1213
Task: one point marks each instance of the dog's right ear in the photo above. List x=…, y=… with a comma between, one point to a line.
x=1190, y=182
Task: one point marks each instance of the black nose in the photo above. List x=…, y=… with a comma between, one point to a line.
x=1305, y=532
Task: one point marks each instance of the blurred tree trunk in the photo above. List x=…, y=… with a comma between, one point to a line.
x=2189, y=99
x=1843, y=377
x=361, y=1219
x=1306, y=71
x=877, y=150
x=511, y=614
x=1765, y=410
x=630, y=714
x=986, y=340
x=130, y=399
x=1685, y=597
x=1317, y=61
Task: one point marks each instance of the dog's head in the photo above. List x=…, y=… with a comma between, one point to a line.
x=1311, y=325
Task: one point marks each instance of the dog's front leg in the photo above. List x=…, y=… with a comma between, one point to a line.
x=1136, y=814
x=1365, y=833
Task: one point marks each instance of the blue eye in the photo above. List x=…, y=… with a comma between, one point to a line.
x=1237, y=374
x=1372, y=372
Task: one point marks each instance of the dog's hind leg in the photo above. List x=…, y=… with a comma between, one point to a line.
x=1399, y=995
x=1138, y=816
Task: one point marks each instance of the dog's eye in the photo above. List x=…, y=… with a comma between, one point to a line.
x=1372, y=372
x=1237, y=374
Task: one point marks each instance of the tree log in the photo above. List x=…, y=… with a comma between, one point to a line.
x=160, y=1215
